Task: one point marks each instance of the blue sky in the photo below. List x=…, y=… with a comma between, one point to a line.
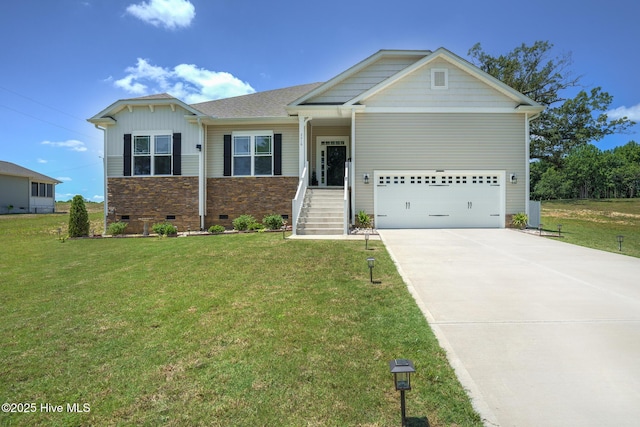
x=65, y=60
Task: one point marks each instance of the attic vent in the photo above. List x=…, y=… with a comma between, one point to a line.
x=439, y=78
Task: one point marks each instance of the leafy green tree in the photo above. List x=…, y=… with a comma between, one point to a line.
x=78, y=218
x=552, y=184
x=560, y=128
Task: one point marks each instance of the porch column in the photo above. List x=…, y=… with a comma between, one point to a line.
x=302, y=150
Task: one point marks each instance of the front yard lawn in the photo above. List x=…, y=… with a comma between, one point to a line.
x=228, y=330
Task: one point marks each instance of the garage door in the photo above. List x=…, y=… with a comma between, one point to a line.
x=430, y=199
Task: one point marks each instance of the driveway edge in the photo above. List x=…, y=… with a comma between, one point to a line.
x=477, y=399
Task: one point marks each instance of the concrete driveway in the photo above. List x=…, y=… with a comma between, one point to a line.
x=540, y=332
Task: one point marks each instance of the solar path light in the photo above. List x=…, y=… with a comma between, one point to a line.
x=371, y=262
x=559, y=230
x=366, y=241
x=402, y=370
x=620, y=240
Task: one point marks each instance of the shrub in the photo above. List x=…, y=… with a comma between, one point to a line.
x=215, y=229
x=256, y=226
x=363, y=219
x=164, y=228
x=116, y=228
x=273, y=221
x=520, y=220
x=244, y=222
x=78, y=218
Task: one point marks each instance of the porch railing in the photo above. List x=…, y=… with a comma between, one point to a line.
x=298, y=201
x=346, y=197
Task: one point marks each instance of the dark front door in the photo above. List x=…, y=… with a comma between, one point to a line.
x=336, y=158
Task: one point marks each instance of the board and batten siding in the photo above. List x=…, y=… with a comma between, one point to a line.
x=142, y=119
x=215, y=146
x=464, y=90
x=365, y=79
x=440, y=141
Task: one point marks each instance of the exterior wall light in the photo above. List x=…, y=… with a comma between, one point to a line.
x=366, y=178
x=513, y=178
x=620, y=240
x=402, y=370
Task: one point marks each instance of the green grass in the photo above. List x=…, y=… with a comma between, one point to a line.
x=227, y=330
x=596, y=223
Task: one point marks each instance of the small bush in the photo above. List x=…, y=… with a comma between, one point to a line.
x=273, y=221
x=256, y=226
x=164, y=229
x=215, y=229
x=78, y=218
x=244, y=223
x=520, y=220
x=364, y=220
x=116, y=228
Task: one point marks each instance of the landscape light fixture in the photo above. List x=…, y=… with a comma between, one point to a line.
x=620, y=240
x=559, y=230
x=402, y=370
x=366, y=241
x=540, y=228
x=371, y=262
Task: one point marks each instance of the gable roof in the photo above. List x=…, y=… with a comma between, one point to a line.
x=270, y=103
x=11, y=169
x=447, y=55
x=415, y=54
x=105, y=117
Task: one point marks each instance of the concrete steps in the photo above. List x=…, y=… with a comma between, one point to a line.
x=322, y=212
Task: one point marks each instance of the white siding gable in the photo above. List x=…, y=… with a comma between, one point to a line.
x=143, y=119
x=462, y=89
x=364, y=80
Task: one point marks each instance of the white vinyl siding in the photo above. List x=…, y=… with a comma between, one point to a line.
x=440, y=142
x=215, y=146
x=365, y=79
x=462, y=90
x=142, y=120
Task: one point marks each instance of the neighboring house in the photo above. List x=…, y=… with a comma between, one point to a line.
x=425, y=140
x=25, y=191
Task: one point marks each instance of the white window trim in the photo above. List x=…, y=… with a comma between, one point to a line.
x=151, y=135
x=252, y=146
x=433, y=78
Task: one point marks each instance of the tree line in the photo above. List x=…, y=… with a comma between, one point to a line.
x=564, y=161
x=588, y=172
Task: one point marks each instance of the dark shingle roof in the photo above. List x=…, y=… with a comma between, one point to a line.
x=270, y=103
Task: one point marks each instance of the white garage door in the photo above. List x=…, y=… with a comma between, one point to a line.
x=429, y=199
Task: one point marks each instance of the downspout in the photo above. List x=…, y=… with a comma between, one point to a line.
x=202, y=181
x=353, y=165
x=527, y=148
x=104, y=176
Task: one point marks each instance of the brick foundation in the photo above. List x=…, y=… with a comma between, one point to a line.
x=257, y=196
x=154, y=197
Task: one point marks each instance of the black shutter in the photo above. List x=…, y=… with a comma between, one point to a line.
x=227, y=155
x=177, y=154
x=126, y=171
x=277, y=154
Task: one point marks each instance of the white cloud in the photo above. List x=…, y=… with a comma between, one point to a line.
x=170, y=14
x=184, y=81
x=42, y=160
x=71, y=144
x=97, y=198
x=64, y=178
x=631, y=113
